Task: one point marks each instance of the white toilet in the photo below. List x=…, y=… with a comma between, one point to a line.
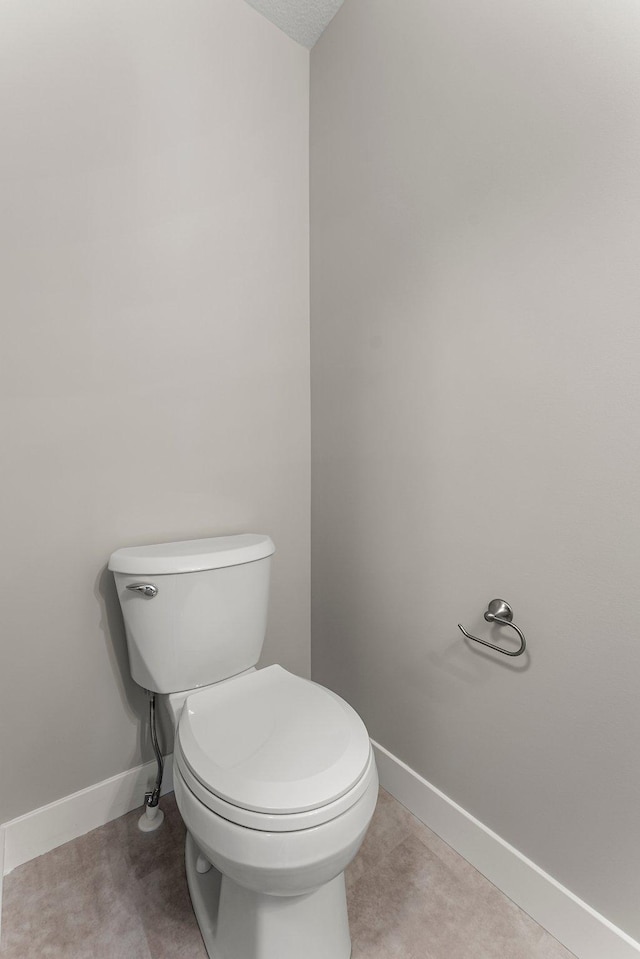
x=274, y=775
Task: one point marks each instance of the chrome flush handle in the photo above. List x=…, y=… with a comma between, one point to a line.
x=147, y=589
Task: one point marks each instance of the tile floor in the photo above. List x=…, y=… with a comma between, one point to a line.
x=119, y=894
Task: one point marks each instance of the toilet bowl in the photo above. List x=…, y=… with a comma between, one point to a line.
x=274, y=776
x=276, y=782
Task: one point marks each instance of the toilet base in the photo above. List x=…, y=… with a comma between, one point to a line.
x=237, y=923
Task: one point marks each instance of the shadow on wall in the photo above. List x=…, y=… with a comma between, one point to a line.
x=135, y=699
x=450, y=660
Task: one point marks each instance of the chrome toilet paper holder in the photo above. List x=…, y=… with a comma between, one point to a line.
x=499, y=612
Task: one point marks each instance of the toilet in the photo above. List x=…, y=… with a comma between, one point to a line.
x=274, y=775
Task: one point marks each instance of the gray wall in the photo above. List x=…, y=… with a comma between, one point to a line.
x=475, y=216
x=154, y=360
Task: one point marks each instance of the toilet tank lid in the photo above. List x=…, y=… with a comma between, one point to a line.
x=191, y=556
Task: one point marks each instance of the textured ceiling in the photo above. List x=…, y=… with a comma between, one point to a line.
x=304, y=20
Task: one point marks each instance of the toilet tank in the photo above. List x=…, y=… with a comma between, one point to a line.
x=195, y=612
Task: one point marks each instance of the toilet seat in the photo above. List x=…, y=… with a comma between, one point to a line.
x=269, y=822
x=273, y=751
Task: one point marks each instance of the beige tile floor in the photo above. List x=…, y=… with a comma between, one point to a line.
x=119, y=894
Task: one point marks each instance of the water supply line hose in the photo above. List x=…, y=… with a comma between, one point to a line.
x=151, y=798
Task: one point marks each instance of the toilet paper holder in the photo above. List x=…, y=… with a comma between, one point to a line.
x=499, y=612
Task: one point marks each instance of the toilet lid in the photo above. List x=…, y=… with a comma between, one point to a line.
x=272, y=742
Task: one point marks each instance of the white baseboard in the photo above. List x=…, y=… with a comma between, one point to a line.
x=1, y=873
x=43, y=829
x=575, y=924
